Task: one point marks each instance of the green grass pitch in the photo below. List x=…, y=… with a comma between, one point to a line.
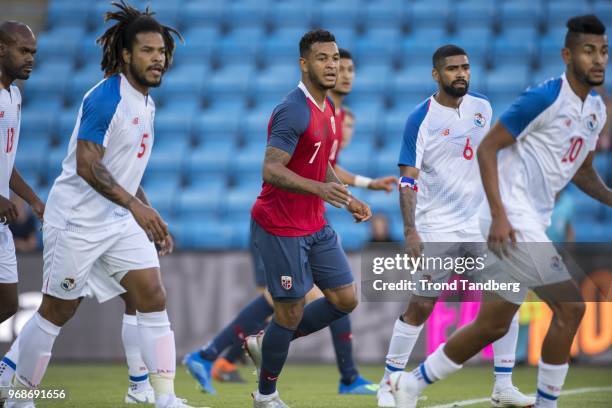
x=310, y=386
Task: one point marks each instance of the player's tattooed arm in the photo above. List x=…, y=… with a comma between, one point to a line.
x=276, y=173
x=94, y=172
x=140, y=194
x=20, y=187
x=408, y=199
x=331, y=176
x=587, y=180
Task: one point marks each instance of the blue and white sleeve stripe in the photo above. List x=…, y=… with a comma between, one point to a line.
x=409, y=152
x=99, y=107
x=529, y=105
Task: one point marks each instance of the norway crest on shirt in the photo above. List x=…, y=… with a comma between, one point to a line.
x=333, y=124
x=591, y=122
x=286, y=282
x=479, y=119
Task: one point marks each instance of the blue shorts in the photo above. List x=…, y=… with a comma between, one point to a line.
x=258, y=268
x=291, y=265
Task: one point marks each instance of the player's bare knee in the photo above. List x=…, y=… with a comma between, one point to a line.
x=289, y=314
x=151, y=298
x=569, y=314
x=418, y=311
x=58, y=311
x=130, y=305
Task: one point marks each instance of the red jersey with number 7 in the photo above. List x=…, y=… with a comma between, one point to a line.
x=301, y=128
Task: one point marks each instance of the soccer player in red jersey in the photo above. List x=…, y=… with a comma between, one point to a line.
x=291, y=237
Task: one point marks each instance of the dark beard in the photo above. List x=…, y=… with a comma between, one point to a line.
x=456, y=92
x=593, y=83
x=142, y=80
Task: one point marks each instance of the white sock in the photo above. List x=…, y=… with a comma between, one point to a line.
x=504, y=350
x=158, y=351
x=550, y=381
x=402, y=342
x=35, y=343
x=8, y=364
x=436, y=367
x=137, y=370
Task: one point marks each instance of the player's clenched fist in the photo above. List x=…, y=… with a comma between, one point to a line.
x=334, y=193
x=8, y=211
x=149, y=220
x=361, y=211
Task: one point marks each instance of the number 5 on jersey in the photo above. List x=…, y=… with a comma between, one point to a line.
x=143, y=146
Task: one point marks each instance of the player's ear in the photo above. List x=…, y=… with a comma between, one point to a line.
x=303, y=66
x=435, y=74
x=566, y=54
x=126, y=56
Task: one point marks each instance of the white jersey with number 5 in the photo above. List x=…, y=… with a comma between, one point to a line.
x=441, y=142
x=118, y=117
x=554, y=130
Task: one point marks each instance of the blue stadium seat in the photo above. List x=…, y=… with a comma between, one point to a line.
x=380, y=202
x=414, y=80
x=290, y=13
x=175, y=118
x=60, y=44
x=474, y=12
x=520, y=13
x=514, y=46
x=240, y=225
x=211, y=157
x=66, y=122
x=603, y=10
x=239, y=201
x=199, y=43
x=249, y=160
x=592, y=232
x=336, y=14
x=385, y=160
x=48, y=79
x=507, y=80
x=378, y=43
x=239, y=45
x=282, y=46
x=82, y=81
x=419, y=47
x=551, y=70
x=63, y=13
x=233, y=79
x=371, y=81
x=161, y=195
x=276, y=79
x=54, y=163
x=218, y=123
x=558, y=12
x=201, y=232
x=246, y=13
x=352, y=158
x=429, y=14
x=345, y=36
x=475, y=40
x=394, y=124
x=256, y=122
x=38, y=124
x=384, y=13
x=188, y=79
x=550, y=46
x=31, y=154
x=197, y=13
x=603, y=164
x=195, y=201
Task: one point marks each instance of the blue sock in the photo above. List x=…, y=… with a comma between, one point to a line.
x=317, y=315
x=234, y=353
x=274, y=349
x=249, y=321
x=343, y=345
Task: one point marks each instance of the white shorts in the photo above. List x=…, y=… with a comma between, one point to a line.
x=8, y=261
x=452, y=244
x=86, y=263
x=532, y=263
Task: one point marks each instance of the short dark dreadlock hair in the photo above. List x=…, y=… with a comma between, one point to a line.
x=449, y=50
x=312, y=37
x=588, y=24
x=130, y=22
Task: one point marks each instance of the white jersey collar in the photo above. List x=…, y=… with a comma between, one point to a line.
x=457, y=110
x=309, y=96
x=133, y=91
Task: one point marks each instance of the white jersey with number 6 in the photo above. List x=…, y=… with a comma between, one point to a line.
x=118, y=117
x=441, y=142
x=554, y=130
